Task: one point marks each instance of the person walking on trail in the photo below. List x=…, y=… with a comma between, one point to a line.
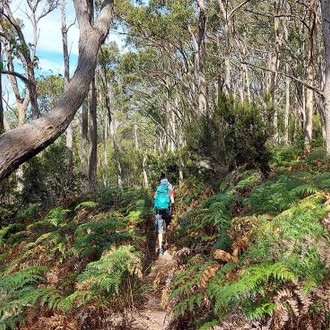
x=163, y=203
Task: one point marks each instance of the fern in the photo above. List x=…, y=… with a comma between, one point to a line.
x=103, y=280
x=209, y=325
x=246, y=182
x=253, y=282
x=86, y=204
x=18, y=291
x=189, y=292
x=56, y=216
x=94, y=237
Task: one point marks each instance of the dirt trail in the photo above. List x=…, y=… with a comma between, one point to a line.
x=153, y=316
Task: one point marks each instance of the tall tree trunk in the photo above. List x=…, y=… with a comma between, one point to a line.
x=287, y=94
x=84, y=143
x=69, y=139
x=308, y=129
x=27, y=56
x=105, y=151
x=112, y=129
x=200, y=48
x=144, y=168
x=116, y=154
x=325, y=10
x=273, y=68
x=227, y=51
x=92, y=167
x=21, y=104
x=287, y=107
x=2, y=126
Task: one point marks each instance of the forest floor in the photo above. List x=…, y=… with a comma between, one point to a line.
x=153, y=316
x=159, y=271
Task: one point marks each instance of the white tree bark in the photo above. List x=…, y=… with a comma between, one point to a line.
x=325, y=10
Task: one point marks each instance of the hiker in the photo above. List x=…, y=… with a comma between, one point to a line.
x=163, y=203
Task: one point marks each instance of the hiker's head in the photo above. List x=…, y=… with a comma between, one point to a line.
x=164, y=182
x=163, y=176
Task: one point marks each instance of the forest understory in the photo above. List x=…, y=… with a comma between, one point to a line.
x=254, y=254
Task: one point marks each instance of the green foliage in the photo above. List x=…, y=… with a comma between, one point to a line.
x=104, y=280
x=19, y=291
x=86, y=204
x=315, y=156
x=251, y=286
x=94, y=237
x=49, y=88
x=11, y=234
x=278, y=193
x=284, y=156
x=56, y=216
x=48, y=178
x=188, y=293
x=235, y=135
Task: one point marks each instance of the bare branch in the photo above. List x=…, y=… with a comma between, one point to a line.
x=313, y=88
x=16, y=74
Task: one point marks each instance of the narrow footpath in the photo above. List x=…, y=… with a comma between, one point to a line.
x=154, y=316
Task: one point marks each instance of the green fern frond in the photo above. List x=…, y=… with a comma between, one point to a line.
x=246, y=182
x=29, y=275
x=103, y=279
x=209, y=325
x=305, y=189
x=252, y=282
x=101, y=235
x=86, y=204
x=18, y=291
x=259, y=312
x=56, y=216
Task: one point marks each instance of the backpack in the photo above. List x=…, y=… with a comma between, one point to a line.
x=162, y=200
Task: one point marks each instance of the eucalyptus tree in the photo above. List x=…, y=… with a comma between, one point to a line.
x=26, y=52
x=2, y=127
x=107, y=75
x=325, y=10
x=66, y=61
x=22, y=143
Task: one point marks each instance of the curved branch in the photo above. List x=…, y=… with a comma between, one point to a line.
x=16, y=74
x=22, y=143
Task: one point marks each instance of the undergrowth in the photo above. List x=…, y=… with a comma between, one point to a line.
x=74, y=262
x=252, y=254
x=265, y=256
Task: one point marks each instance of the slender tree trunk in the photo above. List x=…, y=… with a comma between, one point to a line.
x=105, y=151
x=287, y=94
x=309, y=79
x=21, y=104
x=69, y=139
x=287, y=108
x=2, y=126
x=112, y=128
x=200, y=48
x=227, y=51
x=116, y=153
x=144, y=168
x=325, y=10
x=136, y=136
x=27, y=56
x=92, y=167
x=274, y=64
x=84, y=143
